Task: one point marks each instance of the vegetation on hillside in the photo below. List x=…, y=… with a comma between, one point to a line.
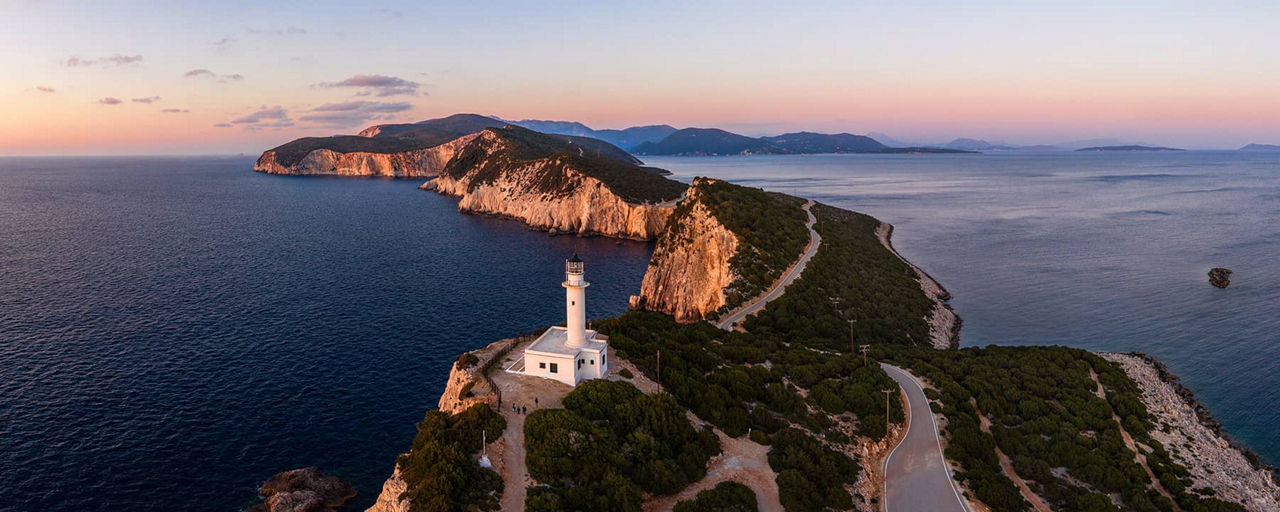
x=769, y=226
x=745, y=383
x=852, y=277
x=714, y=142
x=608, y=444
x=438, y=471
x=555, y=155
x=724, y=497
x=1046, y=417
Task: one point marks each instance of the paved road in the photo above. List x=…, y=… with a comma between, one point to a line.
x=917, y=478
x=758, y=303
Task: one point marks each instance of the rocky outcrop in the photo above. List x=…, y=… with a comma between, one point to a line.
x=1195, y=440
x=418, y=163
x=468, y=385
x=579, y=204
x=690, y=266
x=944, y=323
x=1220, y=277
x=389, y=500
x=303, y=490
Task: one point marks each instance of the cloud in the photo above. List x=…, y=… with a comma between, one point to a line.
x=222, y=125
x=151, y=99
x=202, y=73
x=110, y=101
x=44, y=88
x=114, y=60
x=350, y=113
x=277, y=113
x=224, y=42
x=381, y=85
x=283, y=32
x=175, y=110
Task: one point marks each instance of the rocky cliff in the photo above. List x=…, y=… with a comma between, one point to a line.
x=687, y=280
x=560, y=192
x=418, y=163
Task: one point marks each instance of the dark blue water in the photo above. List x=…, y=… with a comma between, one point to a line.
x=1092, y=250
x=174, y=331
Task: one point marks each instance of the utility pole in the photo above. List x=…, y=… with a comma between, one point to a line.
x=659, y=371
x=864, y=349
x=887, y=393
x=852, y=342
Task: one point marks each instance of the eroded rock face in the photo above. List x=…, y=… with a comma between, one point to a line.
x=588, y=206
x=690, y=266
x=1220, y=277
x=303, y=490
x=419, y=163
x=389, y=500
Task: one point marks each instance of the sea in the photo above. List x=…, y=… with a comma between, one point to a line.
x=175, y=330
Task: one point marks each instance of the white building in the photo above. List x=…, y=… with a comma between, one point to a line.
x=569, y=354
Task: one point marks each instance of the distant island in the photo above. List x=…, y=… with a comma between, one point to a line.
x=717, y=142
x=1261, y=147
x=1131, y=147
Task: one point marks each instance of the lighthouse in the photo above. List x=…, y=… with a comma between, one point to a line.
x=575, y=302
x=573, y=353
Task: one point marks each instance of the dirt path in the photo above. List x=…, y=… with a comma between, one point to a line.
x=741, y=461
x=1133, y=447
x=1006, y=464
x=520, y=390
x=754, y=306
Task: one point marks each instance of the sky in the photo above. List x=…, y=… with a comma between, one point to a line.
x=186, y=77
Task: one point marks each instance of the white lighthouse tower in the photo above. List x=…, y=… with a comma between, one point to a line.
x=572, y=353
x=575, y=302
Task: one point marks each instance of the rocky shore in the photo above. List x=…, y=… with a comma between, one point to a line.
x=944, y=323
x=303, y=490
x=1196, y=441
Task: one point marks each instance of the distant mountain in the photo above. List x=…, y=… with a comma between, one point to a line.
x=627, y=138
x=709, y=141
x=974, y=145
x=1093, y=143
x=1130, y=147
x=809, y=142
x=1260, y=147
x=714, y=141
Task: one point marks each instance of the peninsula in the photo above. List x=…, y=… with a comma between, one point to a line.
x=790, y=407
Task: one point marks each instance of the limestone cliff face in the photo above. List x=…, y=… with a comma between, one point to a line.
x=690, y=266
x=579, y=204
x=418, y=163
x=389, y=500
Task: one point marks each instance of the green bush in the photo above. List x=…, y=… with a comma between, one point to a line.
x=438, y=471
x=611, y=428
x=724, y=497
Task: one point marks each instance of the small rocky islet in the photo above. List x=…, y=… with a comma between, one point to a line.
x=1220, y=277
x=303, y=490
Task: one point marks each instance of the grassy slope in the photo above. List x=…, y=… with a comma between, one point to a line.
x=853, y=276
x=770, y=230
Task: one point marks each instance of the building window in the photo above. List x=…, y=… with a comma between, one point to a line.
x=555, y=368
x=542, y=365
x=591, y=362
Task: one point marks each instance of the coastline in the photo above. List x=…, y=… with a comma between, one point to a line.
x=944, y=324
x=1195, y=440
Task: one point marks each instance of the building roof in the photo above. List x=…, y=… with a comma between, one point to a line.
x=575, y=258
x=553, y=342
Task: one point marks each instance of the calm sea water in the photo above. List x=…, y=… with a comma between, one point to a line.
x=173, y=331
x=1091, y=250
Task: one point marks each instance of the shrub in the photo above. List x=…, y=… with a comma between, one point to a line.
x=438, y=471
x=724, y=497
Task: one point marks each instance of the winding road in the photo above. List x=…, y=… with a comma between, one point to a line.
x=755, y=305
x=917, y=478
